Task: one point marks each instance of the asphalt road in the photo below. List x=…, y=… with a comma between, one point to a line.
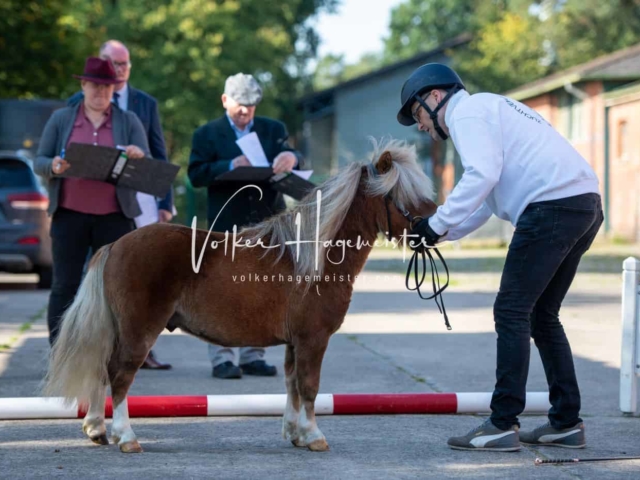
x=390, y=342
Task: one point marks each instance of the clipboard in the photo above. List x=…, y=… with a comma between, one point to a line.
x=245, y=175
x=292, y=185
x=108, y=164
x=286, y=182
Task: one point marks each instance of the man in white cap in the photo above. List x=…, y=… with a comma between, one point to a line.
x=214, y=152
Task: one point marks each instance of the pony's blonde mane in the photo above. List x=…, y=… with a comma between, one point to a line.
x=405, y=181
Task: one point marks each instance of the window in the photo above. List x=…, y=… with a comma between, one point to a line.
x=14, y=174
x=572, y=124
x=577, y=120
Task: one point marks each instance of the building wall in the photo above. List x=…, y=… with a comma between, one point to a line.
x=624, y=170
x=579, y=121
x=319, y=146
x=583, y=124
x=369, y=109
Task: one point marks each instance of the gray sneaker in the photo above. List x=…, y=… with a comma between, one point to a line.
x=488, y=437
x=572, y=437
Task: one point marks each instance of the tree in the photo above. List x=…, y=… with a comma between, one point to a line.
x=514, y=41
x=43, y=43
x=332, y=69
x=419, y=25
x=503, y=55
x=367, y=63
x=329, y=71
x=580, y=30
x=183, y=50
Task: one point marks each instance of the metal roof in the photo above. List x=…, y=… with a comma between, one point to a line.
x=620, y=65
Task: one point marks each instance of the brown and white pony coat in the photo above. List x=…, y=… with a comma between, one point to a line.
x=145, y=282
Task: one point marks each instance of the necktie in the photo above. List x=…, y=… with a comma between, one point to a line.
x=115, y=98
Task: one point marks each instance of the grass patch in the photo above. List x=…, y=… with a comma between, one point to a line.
x=25, y=327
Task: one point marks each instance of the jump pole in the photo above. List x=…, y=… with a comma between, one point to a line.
x=265, y=405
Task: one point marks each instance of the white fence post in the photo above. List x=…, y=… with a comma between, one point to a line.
x=630, y=365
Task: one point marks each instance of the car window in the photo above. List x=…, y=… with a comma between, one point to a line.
x=14, y=173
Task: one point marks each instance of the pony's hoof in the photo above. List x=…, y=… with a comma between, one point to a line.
x=297, y=442
x=100, y=439
x=131, y=447
x=290, y=432
x=319, y=445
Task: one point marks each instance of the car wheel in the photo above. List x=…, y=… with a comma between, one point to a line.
x=46, y=277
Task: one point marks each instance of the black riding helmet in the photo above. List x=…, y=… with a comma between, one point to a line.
x=426, y=78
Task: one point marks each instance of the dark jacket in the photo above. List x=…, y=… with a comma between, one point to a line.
x=214, y=147
x=146, y=108
x=127, y=130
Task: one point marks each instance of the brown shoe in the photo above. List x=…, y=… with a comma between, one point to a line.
x=152, y=364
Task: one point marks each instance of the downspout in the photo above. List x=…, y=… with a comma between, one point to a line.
x=607, y=223
x=576, y=92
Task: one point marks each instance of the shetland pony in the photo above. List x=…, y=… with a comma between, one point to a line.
x=171, y=276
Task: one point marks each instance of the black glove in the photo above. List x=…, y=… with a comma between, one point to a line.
x=425, y=235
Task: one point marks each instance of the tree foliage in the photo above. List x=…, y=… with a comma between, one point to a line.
x=582, y=30
x=43, y=43
x=514, y=41
x=332, y=69
x=419, y=25
x=181, y=51
x=498, y=59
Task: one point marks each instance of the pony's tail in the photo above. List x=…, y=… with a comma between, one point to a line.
x=88, y=333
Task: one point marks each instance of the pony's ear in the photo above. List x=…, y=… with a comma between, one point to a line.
x=384, y=162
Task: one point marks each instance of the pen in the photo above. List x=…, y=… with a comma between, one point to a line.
x=57, y=167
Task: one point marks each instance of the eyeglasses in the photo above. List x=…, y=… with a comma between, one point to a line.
x=415, y=113
x=121, y=64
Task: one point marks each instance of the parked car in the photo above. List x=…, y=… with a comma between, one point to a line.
x=25, y=244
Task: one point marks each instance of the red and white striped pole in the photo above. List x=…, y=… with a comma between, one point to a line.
x=264, y=405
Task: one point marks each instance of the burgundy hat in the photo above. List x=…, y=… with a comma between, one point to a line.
x=97, y=70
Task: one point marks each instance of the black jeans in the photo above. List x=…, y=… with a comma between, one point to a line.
x=73, y=235
x=549, y=240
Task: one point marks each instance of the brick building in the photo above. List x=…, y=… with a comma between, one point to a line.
x=596, y=106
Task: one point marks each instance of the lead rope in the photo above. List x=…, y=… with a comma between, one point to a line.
x=435, y=278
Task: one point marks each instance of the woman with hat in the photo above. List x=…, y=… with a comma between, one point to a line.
x=86, y=214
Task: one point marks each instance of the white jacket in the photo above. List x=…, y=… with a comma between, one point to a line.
x=511, y=158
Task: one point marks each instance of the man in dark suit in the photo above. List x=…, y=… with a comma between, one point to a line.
x=214, y=152
x=146, y=109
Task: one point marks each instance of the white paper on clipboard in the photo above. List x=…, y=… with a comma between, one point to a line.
x=252, y=149
x=306, y=174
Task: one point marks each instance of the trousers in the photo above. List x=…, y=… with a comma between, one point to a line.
x=548, y=243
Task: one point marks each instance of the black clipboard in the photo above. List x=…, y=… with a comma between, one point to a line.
x=108, y=164
x=286, y=182
x=292, y=185
x=245, y=175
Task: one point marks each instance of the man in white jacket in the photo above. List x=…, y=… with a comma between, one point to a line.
x=516, y=166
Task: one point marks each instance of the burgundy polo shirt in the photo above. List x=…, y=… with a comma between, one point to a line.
x=90, y=196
